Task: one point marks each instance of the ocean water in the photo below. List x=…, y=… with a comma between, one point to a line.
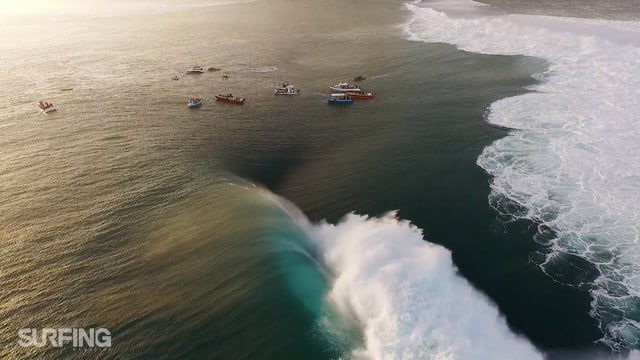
x=566, y=167
x=483, y=206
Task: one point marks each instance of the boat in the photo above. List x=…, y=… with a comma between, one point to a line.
x=195, y=70
x=175, y=78
x=230, y=99
x=339, y=99
x=225, y=76
x=360, y=95
x=67, y=89
x=46, y=107
x=344, y=87
x=287, y=89
x=195, y=103
x=213, y=69
x=359, y=78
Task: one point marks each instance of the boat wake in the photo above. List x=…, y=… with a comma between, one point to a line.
x=264, y=69
x=405, y=294
x=379, y=76
x=571, y=164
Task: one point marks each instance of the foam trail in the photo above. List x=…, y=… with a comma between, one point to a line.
x=264, y=69
x=407, y=296
x=572, y=162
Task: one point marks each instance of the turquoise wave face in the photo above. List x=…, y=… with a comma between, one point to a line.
x=254, y=283
x=296, y=260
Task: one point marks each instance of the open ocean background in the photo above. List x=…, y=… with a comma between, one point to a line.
x=486, y=205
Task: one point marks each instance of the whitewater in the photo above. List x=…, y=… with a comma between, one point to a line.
x=570, y=163
x=404, y=293
x=407, y=296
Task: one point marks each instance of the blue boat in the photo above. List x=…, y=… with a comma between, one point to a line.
x=340, y=99
x=194, y=103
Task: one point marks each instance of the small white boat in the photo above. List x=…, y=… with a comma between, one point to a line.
x=195, y=103
x=46, y=107
x=195, y=70
x=175, y=78
x=287, y=89
x=344, y=87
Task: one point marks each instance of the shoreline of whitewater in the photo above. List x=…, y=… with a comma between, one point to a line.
x=563, y=162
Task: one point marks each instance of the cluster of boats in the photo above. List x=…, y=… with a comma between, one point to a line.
x=195, y=103
x=344, y=93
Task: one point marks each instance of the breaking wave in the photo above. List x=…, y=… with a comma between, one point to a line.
x=405, y=294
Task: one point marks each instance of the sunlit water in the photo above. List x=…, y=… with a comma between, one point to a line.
x=124, y=209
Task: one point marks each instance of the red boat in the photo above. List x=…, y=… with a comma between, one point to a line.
x=360, y=95
x=230, y=99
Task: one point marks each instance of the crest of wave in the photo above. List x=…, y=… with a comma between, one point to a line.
x=407, y=297
x=571, y=163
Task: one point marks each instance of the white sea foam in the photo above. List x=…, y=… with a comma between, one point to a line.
x=573, y=160
x=407, y=296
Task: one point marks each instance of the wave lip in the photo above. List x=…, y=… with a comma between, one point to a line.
x=571, y=162
x=406, y=295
